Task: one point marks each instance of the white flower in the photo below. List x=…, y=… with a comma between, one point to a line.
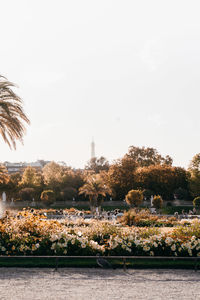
x=128, y=249
x=173, y=247
x=146, y=248
x=169, y=240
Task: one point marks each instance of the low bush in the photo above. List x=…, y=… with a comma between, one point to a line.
x=26, y=194
x=144, y=218
x=196, y=202
x=134, y=198
x=157, y=202
x=48, y=196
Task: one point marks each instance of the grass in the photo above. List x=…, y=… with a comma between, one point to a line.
x=91, y=263
x=170, y=210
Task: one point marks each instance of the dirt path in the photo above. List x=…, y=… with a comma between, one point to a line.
x=89, y=284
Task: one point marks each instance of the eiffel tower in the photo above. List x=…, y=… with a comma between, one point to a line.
x=92, y=149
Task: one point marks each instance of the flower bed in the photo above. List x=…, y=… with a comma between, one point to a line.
x=29, y=234
x=144, y=218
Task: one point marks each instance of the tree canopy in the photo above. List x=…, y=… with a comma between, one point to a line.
x=97, y=164
x=146, y=157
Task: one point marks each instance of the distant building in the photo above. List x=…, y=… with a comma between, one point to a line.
x=14, y=167
x=19, y=167
x=92, y=149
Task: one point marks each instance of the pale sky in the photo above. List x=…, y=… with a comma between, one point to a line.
x=124, y=72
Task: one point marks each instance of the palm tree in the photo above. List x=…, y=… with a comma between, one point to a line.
x=12, y=115
x=96, y=189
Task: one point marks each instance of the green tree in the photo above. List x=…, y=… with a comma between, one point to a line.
x=12, y=116
x=145, y=157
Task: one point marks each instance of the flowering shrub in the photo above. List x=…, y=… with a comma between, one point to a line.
x=29, y=234
x=143, y=218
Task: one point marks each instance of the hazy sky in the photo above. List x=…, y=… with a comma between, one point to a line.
x=125, y=72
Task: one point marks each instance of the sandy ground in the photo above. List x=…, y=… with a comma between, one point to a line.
x=89, y=284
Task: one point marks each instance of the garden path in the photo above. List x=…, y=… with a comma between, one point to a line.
x=81, y=284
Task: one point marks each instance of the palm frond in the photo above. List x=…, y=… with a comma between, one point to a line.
x=12, y=116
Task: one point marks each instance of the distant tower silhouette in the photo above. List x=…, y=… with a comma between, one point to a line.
x=92, y=149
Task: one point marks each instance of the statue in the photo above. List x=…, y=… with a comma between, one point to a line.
x=151, y=199
x=12, y=202
x=3, y=197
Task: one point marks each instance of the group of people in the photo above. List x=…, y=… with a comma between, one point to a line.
x=184, y=214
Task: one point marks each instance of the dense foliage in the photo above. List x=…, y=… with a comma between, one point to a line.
x=140, y=169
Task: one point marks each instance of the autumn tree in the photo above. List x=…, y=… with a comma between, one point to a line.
x=162, y=180
x=134, y=198
x=72, y=178
x=145, y=157
x=32, y=179
x=68, y=193
x=195, y=163
x=121, y=177
x=26, y=194
x=53, y=175
x=4, y=178
x=13, y=186
x=194, y=179
x=97, y=164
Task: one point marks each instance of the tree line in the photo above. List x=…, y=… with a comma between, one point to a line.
x=141, y=169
